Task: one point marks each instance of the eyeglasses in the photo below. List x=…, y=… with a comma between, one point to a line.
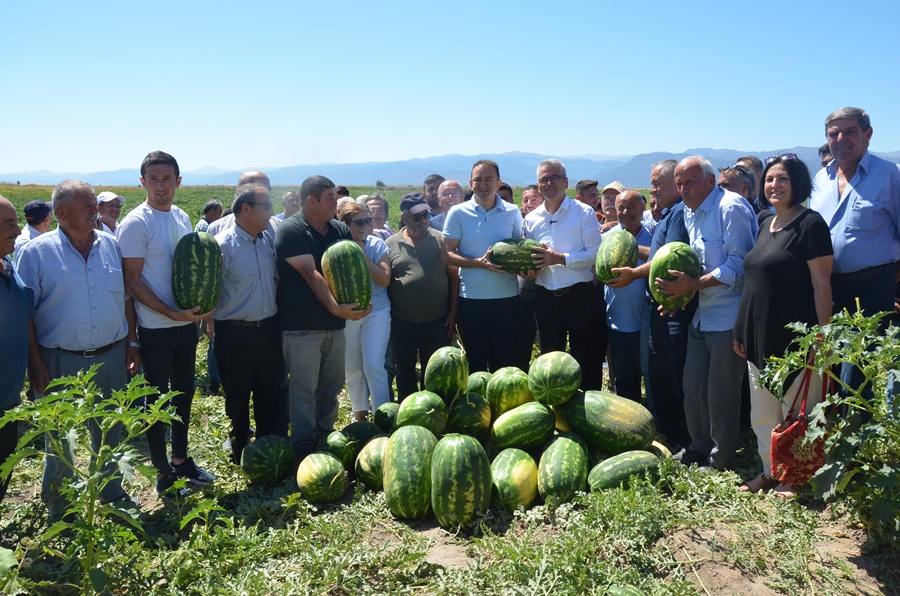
x=361, y=222
x=450, y=195
x=265, y=206
x=378, y=210
x=782, y=157
x=417, y=217
x=733, y=166
x=550, y=179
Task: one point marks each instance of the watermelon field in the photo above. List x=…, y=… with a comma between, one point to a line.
x=590, y=528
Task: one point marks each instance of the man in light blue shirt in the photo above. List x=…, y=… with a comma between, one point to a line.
x=82, y=317
x=722, y=229
x=488, y=305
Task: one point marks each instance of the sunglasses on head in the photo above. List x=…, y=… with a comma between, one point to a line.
x=782, y=157
x=361, y=222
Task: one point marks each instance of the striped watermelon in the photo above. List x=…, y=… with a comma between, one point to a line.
x=525, y=427
x=197, y=272
x=369, y=463
x=447, y=373
x=507, y=389
x=407, y=471
x=513, y=255
x=460, y=480
x=321, y=478
x=385, y=415
x=554, y=378
x=267, y=460
x=618, y=249
x=614, y=471
x=343, y=447
x=478, y=382
x=470, y=415
x=563, y=469
x=362, y=431
x=422, y=408
x=613, y=423
x=676, y=256
x=514, y=476
x=347, y=274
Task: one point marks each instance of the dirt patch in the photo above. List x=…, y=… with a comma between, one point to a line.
x=446, y=550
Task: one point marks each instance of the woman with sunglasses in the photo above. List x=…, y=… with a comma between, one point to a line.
x=367, y=338
x=787, y=278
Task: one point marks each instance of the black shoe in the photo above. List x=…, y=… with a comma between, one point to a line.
x=165, y=487
x=194, y=473
x=214, y=388
x=688, y=457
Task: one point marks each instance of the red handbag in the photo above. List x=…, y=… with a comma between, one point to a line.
x=794, y=461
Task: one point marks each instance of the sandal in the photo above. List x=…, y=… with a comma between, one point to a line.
x=760, y=483
x=785, y=490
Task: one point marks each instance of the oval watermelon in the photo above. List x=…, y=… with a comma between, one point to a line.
x=513, y=255
x=563, y=469
x=362, y=431
x=613, y=423
x=470, y=415
x=675, y=256
x=460, y=480
x=407, y=471
x=618, y=249
x=422, y=408
x=507, y=389
x=342, y=446
x=321, y=478
x=447, y=373
x=478, y=382
x=514, y=479
x=370, y=463
x=554, y=378
x=197, y=272
x=267, y=460
x=347, y=274
x=614, y=471
x=525, y=427
x=385, y=415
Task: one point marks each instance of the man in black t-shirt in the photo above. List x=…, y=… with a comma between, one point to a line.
x=312, y=322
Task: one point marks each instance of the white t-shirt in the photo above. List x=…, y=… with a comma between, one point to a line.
x=152, y=234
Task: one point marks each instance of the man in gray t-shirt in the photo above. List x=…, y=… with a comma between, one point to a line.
x=424, y=294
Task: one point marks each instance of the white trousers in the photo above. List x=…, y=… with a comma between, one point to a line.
x=767, y=411
x=367, y=341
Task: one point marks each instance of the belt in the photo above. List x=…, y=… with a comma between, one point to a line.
x=237, y=323
x=839, y=279
x=567, y=290
x=93, y=352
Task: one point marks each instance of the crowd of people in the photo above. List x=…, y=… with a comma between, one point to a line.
x=98, y=291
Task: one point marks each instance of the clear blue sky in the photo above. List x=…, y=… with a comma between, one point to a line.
x=90, y=86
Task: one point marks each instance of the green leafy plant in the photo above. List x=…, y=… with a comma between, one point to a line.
x=862, y=471
x=62, y=416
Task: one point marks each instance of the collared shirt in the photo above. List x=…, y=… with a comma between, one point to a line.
x=624, y=305
x=420, y=286
x=669, y=228
x=28, y=234
x=78, y=304
x=227, y=221
x=202, y=225
x=107, y=229
x=437, y=221
x=722, y=230
x=865, y=220
x=249, y=278
x=648, y=221
x=572, y=231
x=477, y=230
x=16, y=310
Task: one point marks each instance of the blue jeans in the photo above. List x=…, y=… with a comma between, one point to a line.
x=626, y=357
x=316, y=363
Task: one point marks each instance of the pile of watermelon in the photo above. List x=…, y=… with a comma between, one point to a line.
x=469, y=441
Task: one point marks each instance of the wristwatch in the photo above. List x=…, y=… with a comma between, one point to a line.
x=134, y=344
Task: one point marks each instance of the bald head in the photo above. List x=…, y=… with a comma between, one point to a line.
x=630, y=210
x=9, y=227
x=695, y=178
x=255, y=177
x=450, y=193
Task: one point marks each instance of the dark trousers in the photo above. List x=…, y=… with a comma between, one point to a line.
x=411, y=343
x=527, y=329
x=577, y=316
x=626, y=356
x=488, y=332
x=668, y=350
x=9, y=436
x=251, y=363
x=168, y=356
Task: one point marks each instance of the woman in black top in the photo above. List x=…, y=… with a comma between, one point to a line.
x=787, y=278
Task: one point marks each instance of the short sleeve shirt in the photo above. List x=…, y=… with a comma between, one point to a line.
x=375, y=250
x=420, y=286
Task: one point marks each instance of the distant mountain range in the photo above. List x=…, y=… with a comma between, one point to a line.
x=516, y=168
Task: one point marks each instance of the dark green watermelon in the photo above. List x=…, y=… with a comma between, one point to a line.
x=362, y=431
x=385, y=415
x=614, y=471
x=675, y=256
x=370, y=463
x=407, y=471
x=347, y=274
x=197, y=272
x=513, y=255
x=507, y=389
x=554, y=378
x=447, y=373
x=460, y=480
x=478, y=382
x=618, y=249
x=343, y=447
x=267, y=460
x=422, y=408
x=470, y=415
x=613, y=423
x=525, y=427
x=563, y=469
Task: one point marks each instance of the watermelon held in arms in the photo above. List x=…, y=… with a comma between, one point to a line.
x=267, y=460
x=554, y=378
x=447, y=373
x=197, y=272
x=513, y=255
x=675, y=256
x=460, y=480
x=618, y=249
x=347, y=274
x=321, y=478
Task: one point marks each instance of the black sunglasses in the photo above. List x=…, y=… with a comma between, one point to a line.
x=361, y=222
x=417, y=217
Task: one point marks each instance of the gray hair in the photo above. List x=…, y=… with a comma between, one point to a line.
x=343, y=201
x=666, y=167
x=364, y=201
x=848, y=113
x=708, y=168
x=245, y=194
x=65, y=191
x=552, y=162
x=745, y=174
x=287, y=194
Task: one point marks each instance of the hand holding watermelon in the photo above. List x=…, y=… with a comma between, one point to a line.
x=350, y=311
x=544, y=256
x=486, y=263
x=623, y=277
